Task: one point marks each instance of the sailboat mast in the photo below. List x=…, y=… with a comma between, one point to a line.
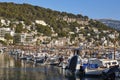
x=114, y=50
x=114, y=46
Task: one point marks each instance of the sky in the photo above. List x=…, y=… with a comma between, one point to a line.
x=95, y=9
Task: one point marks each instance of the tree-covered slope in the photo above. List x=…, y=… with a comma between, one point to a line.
x=61, y=22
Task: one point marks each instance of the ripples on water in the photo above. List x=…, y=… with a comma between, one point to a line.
x=11, y=69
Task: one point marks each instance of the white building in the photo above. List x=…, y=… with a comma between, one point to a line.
x=112, y=36
x=60, y=42
x=77, y=29
x=5, y=22
x=95, y=30
x=24, y=38
x=41, y=22
x=3, y=31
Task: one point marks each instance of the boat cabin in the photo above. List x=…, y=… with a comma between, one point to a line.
x=107, y=62
x=104, y=62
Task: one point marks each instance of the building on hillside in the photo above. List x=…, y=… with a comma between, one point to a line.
x=4, y=31
x=112, y=36
x=82, y=27
x=5, y=22
x=44, y=39
x=54, y=35
x=24, y=38
x=95, y=30
x=41, y=22
x=60, y=42
x=77, y=29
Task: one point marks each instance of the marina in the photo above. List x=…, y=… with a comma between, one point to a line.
x=59, y=40
x=11, y=69
x=46, y=66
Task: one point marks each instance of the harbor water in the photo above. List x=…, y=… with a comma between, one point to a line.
x=15, y=69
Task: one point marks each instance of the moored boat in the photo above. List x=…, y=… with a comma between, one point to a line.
x=93, y=67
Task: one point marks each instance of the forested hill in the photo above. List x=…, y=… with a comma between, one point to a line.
x=61, y=22
x=27, y=12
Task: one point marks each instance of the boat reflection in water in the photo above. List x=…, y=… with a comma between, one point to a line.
x=77, y=77
x=11, y=69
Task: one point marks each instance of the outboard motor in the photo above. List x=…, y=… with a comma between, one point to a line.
x=110, y=74
x=74, y=63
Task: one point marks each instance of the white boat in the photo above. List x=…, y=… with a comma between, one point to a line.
x=98, y=66
x=52, y=60
x=39, y=57
x=93, y=67
x=94, y=72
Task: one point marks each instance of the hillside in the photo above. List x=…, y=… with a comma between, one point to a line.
x=38, y=21
x=111, y=23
